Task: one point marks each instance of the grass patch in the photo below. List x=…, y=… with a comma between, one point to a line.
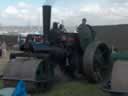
x=74, y=89
x=71, y=89
x=1, y=84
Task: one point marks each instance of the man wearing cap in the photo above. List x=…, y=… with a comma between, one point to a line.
x=62, y=28
x=86, y=34
x=54, y=34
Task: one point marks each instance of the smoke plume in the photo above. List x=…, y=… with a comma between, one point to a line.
x=49, y=2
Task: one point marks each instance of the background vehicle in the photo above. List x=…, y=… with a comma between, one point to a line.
x=31, y=41
x=34, y=43
x=21, y=40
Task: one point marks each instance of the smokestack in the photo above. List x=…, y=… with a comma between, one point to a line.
x=46, y=20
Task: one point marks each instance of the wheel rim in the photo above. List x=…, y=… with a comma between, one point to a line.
x=96, y=62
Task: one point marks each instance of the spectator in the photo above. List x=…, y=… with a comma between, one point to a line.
x=86, y=34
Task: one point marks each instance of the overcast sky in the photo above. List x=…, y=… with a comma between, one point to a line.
x=98, y=12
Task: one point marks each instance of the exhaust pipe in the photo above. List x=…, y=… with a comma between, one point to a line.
x=46, y=20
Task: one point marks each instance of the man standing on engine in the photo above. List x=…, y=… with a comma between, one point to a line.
x=86, y=34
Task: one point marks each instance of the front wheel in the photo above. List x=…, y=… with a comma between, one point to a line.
x=45, y=74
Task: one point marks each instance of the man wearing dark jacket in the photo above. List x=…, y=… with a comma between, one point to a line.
x=86, y=34
x=54, y=34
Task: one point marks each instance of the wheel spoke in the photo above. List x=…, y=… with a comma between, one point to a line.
x=99, y=76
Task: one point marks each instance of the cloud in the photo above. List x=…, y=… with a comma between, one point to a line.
x=22, y=5
x=107, y=12
x=11, y=10
x=118, y=1
x=49, y=2
x=60, y=14
x=93, y=8
x=21, y=14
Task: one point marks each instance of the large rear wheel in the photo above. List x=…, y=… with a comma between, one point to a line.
x=97, y=63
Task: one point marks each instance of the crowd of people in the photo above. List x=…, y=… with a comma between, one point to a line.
x=3, y=49
x=86, y=33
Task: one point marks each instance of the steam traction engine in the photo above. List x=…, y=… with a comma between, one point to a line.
x=37, y=68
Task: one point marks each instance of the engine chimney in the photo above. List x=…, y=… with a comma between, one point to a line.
x=46, y=20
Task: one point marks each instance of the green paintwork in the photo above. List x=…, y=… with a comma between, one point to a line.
x=120, y=55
